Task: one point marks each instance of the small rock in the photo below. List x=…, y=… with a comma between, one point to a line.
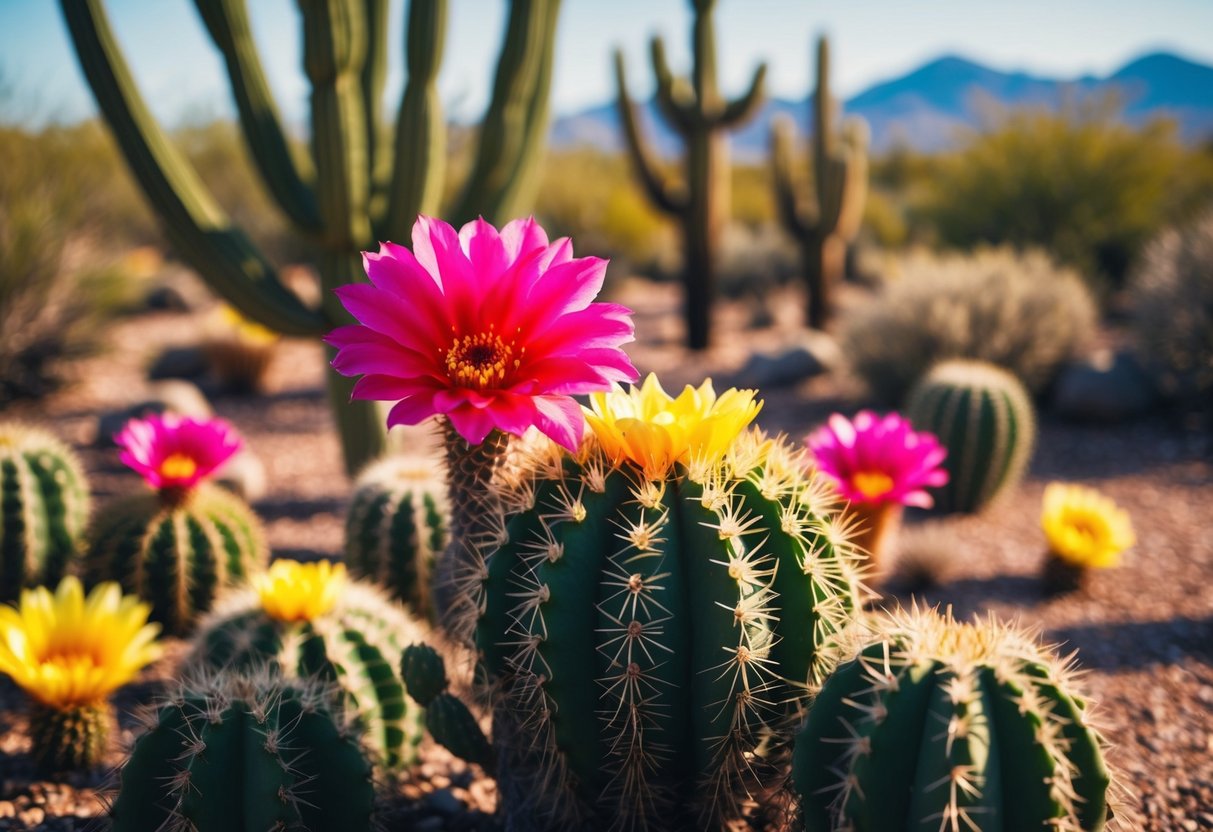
x=812, y=354
x=178, y=362
x=244, y=475
x=444, y=802
x=167, y=297
x=1109, y=387
x=176, y=396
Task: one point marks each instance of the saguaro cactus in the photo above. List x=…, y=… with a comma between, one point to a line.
x=696, y=110
x=840, y=182
x=347, y=190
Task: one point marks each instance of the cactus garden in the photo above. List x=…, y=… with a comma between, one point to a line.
x=556, y=419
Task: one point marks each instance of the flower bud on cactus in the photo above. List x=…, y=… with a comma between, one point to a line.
x=932, y=724
x=397, y=526
x=983, y=415
x=447, y=719
x=306, y=620
x=246, y=752
x=43, y=508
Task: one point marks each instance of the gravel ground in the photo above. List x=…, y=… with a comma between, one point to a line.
x=1143, y=632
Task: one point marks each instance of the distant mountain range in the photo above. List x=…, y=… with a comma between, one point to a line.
x=931, y=107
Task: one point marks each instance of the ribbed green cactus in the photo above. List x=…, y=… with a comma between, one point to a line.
x=931, y=724
x=235, y=752
x=447, y=719
x=44, y=505
x=355, y=645
x=348, y=191
x=829, y=223
x=699, y=202
x=71, y=739
x=176, y=555
x=984, y=417
x=397, y=525
x=650, y=635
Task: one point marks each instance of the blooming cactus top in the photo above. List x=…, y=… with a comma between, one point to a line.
x=294, y=591
x=494, y=330
x=176, y=452
x=1084, y=527
x=879, y=460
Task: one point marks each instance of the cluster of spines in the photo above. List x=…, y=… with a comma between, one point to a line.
x=71, y=739
x=397, y=527
x=983, y=415
x=233, y=751
x=44, y=505
x=176, y=555
x=355, y=647
x=734, y=551
x=955, y=727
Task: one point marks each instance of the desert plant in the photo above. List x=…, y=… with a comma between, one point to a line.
x=840, y=182
x=45, y=508
x=238, y=351
x=245, y=751
x=354, y=186
x=931, y=723
x=1018, y=311
x=1085, y=530
x=983, y=416
x=1172, y=300
x=655, y=613
x=308, y=620
x=396, y=527
x=447, y=719
x=179, y=546
x=696, y=111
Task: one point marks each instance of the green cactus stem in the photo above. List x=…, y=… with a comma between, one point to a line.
x=44, y=505
x=826, y=225
x=932, y=724
x=74, y=739
x=447, y=719
x=246, y=752
x=699, y=200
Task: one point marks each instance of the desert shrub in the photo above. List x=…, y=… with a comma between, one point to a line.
x=1087, y=189
x=1017, y=310
x=1172, y=299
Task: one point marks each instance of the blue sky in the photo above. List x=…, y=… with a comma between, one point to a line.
x=872, y=40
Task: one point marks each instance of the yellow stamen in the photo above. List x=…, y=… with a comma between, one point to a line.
x=480, y=361
x=178, y=467
x=872, y=484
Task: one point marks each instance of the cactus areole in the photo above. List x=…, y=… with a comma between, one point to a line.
x=652, y=616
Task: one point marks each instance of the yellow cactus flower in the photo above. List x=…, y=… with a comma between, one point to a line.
x=228, y=321
x=294, y=591
x=1084, y=527
x=67, y=650
x=654, y=430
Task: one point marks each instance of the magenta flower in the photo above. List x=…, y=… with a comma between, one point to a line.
x=879, y=461
x=491, y=330
x=176, y=452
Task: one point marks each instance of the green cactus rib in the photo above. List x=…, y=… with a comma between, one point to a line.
x=931, y=722
x=699, y=201
x=396, y=527
x=699, y=604
x=235, y=752
x=826, y=225
x=354, y=647
x=44, y=506
x=984, y=417
x=73, y=739
x=176, y=556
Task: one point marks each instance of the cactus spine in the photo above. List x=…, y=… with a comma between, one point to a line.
x=176, y=551
x=447, y=719
x=396, y=527
x=699, y=202
x=241, y=752
x=72, y=739
x=984, y=417
x=355, y=645
x=347, y=190
x=931, y=724
x=840, y=181
x=698, y=601
x=44, y=504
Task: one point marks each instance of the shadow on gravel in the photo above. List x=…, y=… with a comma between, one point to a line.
x=1137, y=644
x=271, y=509
x=967, y=596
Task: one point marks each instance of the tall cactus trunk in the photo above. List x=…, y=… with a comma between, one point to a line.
x=703, y=224
x=825, y=257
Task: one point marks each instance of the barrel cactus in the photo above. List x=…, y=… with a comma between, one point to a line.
x=233, y=751
x=307, y=620
x=984, y=417
x=933, y=724
x=397, y=525
x=178, y=547
x=43, y=508
x=655, y=613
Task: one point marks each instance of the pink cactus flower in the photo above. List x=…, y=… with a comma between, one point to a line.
x=879, y=460
x=493, y=330
x=176, y=452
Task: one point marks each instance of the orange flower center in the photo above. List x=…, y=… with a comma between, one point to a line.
x=872, y=484
x=481, y=361
x=178, y=466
